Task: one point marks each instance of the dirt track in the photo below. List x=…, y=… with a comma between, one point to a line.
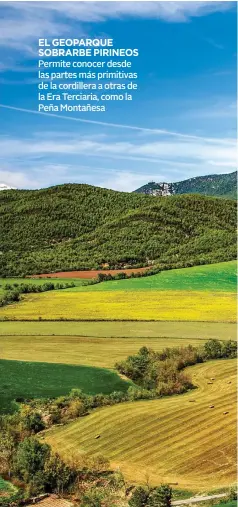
x=196, y=499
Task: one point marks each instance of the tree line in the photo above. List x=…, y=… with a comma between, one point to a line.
x=161, y=373
x=12, y=292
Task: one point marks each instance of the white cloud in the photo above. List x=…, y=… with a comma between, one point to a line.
x=173, y=152
x=17, y=179
x=24, y=22
x=121, y=126
x=215, y=109
x=129, y=181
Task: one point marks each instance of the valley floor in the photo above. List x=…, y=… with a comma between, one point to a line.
x=178, y=439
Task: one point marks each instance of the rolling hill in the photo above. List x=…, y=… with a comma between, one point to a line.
x=74, y=226
x=170, y=440
x=216, y=185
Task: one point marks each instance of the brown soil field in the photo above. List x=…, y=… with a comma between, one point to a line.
x=88, y=274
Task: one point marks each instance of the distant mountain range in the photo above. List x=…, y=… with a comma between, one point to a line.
x=216, y=185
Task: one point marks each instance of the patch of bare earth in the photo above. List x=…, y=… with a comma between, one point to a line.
x=89, y=274
x=52, y=501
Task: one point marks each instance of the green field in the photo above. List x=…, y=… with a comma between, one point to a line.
x=26, y=380
x=90, y=351
x=100, y=352
x=210, y=277
x=188, y=330
x=178, y=439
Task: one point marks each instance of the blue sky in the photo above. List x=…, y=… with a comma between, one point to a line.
x=180, y=124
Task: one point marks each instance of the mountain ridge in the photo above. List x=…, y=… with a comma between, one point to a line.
x=216, y=185
x=77, y=226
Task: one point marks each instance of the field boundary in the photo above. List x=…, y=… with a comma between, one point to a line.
x=103, y=337
x=4, y=319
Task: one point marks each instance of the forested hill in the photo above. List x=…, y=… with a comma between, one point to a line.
x=220, y=185
x=81, y=226
x=216, y=185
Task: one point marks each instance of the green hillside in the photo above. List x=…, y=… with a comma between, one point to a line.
x=220, y=185
x=216, y=185
x=71, y=227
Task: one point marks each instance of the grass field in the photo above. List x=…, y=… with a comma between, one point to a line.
x=35, y=380
x=191, y=330
x=100, y=352
x=130, y=305
x=173, y=440
x=210, y=277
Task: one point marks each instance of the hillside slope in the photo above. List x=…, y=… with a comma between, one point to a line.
x=170, y=440
x=217, y=185
x=79, y=226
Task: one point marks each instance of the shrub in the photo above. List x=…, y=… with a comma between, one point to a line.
x=30, y=458
x=233, y=494
x=57, y=475
x=139, y=498
x=160, y=497
x=31, y=421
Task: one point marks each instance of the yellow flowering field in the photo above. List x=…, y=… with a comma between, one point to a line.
x=122, y=305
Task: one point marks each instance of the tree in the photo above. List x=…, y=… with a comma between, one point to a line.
x=213, y=349
x=57, y=475
x=233, y=494
x=31, y=457
x=139, y=497
x=229, y=349
x=32, y=421
x=7, y=449
x=160, y=497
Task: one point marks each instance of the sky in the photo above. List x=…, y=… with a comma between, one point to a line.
x=180, y=124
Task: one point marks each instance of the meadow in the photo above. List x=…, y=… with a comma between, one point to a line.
x=101, y=344
x=209, y=277
x=191, y=330
x=179, y=439
x=90, y=351
x=22, y=380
